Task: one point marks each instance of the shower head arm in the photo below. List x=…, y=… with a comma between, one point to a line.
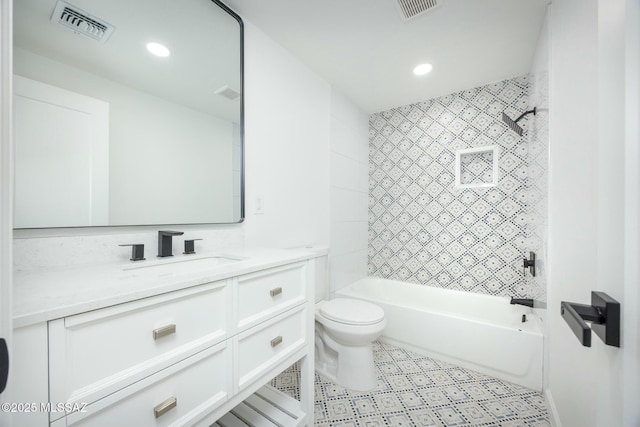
x=524, y=114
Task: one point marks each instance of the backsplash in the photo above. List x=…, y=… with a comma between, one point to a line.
x=83, y=247
x=424, y=230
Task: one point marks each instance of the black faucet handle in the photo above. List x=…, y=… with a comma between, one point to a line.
x=189, y=246
x=530, y=263
x=137, y=251
x=170, y=233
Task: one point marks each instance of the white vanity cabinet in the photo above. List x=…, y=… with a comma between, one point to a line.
x=265, y=293
x=182, y=394
x=182, y=358
x=95, y=354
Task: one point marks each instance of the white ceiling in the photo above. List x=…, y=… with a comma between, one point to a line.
x=366, y=49
x=204, y=42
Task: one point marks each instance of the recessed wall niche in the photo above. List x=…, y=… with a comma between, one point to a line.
x=477, y=167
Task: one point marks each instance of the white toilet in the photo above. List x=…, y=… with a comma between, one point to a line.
x=345, y=330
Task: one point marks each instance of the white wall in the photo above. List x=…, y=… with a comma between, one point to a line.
x=349, y=148
x=630, y=313
x=587, y=230
x=6, y=182
x=287, y=166
x=287, y=147
x=611, y=193
x=572, y=263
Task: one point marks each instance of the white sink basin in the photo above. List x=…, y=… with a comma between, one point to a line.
x=180, y=266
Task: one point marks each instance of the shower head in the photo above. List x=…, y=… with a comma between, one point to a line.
x=513, y=124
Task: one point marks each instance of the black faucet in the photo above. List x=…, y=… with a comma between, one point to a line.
x=165, y=247
x=528, y=302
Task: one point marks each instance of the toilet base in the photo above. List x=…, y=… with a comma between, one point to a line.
x=354, y=368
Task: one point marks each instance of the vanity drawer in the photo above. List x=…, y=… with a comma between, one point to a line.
x=188, y=391
x=133, y=340
x=265, y=345
x=264, y=294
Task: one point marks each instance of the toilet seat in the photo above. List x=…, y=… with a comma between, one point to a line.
x=352, y=312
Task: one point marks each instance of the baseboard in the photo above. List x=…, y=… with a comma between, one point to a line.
x=554, y=418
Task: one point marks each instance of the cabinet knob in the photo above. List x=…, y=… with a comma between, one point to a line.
x=276, y=341
x=164, y=331
x=164, y=407
x=275, y=291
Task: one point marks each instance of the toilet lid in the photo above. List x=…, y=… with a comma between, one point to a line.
x=352, y=311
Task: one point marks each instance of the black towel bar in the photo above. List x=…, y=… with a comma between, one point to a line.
x=603, y=313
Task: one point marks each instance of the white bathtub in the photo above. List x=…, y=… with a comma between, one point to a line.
x=480, y=332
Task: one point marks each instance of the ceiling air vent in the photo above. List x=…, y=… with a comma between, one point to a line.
x=413, y=8
x=228, y=93
x=81, y=22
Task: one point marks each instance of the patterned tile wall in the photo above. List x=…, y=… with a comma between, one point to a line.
x=424, y=230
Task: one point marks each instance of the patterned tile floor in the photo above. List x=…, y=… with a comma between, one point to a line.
x=415, y=390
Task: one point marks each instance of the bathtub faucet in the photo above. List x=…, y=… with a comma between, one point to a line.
x=522, y=301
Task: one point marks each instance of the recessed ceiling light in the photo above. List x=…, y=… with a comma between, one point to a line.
x=158, y=49
x=422, y=69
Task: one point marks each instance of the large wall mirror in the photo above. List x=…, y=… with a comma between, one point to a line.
x=127, y=113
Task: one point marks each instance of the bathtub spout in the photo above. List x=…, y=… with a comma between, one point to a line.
x=528, y=302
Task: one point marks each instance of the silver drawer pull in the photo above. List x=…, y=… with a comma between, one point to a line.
x=164, y=331
x=165, y=407
x=275, y=291
x=276, y=341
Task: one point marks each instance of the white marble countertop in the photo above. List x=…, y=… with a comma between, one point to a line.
x=43, y=295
